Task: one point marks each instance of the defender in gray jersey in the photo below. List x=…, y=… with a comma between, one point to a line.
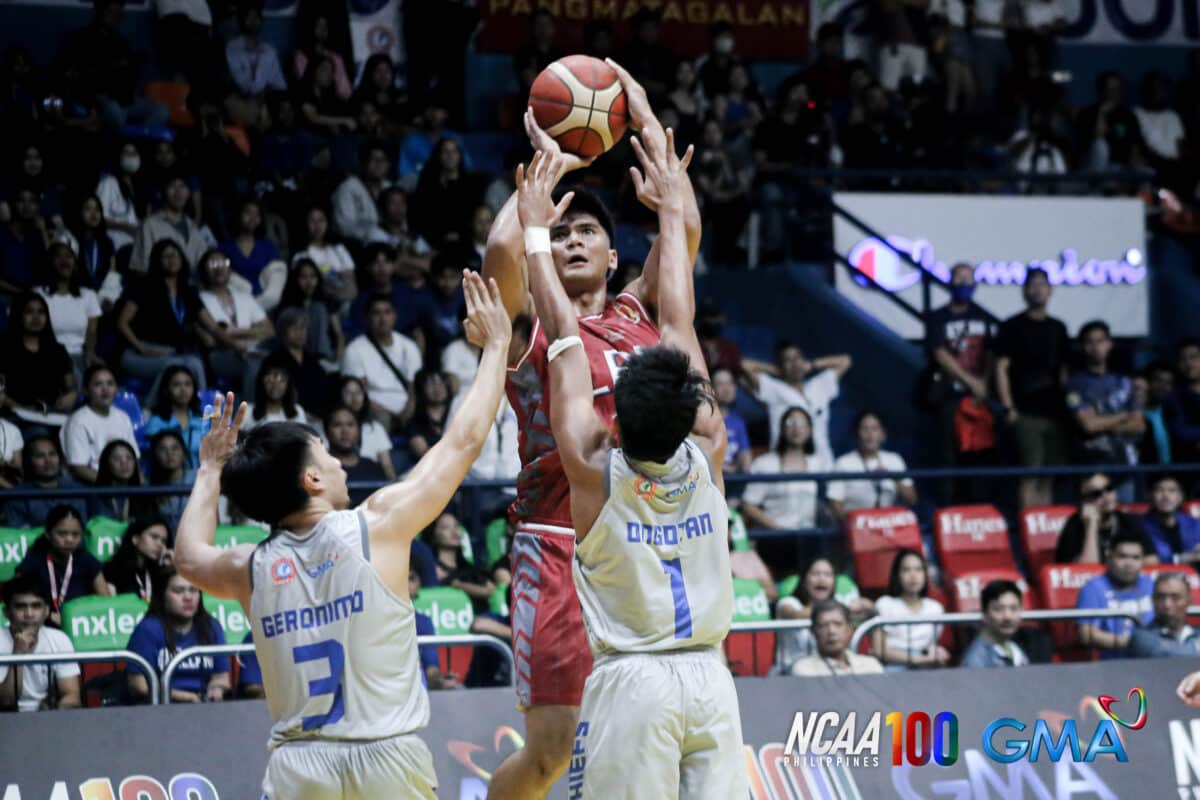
x=327, y=593
x=660, y=714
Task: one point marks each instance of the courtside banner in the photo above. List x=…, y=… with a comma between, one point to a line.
x=1112, y=730
x=1092, y=248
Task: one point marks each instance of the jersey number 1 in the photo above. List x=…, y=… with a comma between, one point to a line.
x=683, y=612
x=331, y=651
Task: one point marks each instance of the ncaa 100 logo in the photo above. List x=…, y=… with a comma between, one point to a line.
x=829, y=738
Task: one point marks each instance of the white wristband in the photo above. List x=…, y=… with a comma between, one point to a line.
x=559, y=346
x=537, y=240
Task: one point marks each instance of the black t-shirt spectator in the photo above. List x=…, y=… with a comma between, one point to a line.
x=1121, y=132
x=799, y=140
x=161, y=320
x=364, y=470
x=1070, y=541
x=84, y=569
x=310, y=379
x=968, y=335
x=35, y=378
x=1037, y=350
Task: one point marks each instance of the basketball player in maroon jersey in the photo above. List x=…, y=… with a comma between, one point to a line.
x=552, y=655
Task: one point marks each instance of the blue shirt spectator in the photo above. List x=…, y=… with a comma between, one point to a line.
x=1122, y=587
x=737, y=454
x=418, y=146
x=250, y=680
x=739, y=439
x=1169, y=634
x=1181, y=409
x=250, y=265
x=423, y=563
x=1096, y=397
x=41, y=463
x=253, y=64
x=428, y=652
x=1173, y=535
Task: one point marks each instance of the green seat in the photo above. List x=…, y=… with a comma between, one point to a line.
x=787, y=586
x=104, y=537
x=749, y=601
x=737, y=532
x=231, y=616
x=449, y=608
x=14, y=542
x=498, y=602
x=496, y=537
x=233, y=535
x=95, y=622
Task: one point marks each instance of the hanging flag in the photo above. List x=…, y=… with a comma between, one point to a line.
x=375, y=28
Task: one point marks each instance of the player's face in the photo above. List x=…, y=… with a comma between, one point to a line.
x=582, y=253
x=331, y=473
x=1003, y=616
x=1168, y=497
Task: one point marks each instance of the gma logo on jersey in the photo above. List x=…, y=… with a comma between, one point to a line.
x=1105, y=739
x=830, y=738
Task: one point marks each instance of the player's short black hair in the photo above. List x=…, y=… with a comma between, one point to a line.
x=262, y=477
x=585, y=202
x=657, y=395
x=997, y=589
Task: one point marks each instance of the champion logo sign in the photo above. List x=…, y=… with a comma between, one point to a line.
x=977, y=528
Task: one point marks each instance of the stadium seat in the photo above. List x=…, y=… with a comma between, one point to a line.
x=1192, y=507
x=14, y=542
x=231, y=615
x=875, y=535
x=968, y=586
x=452, y=613
x=233, y=535
x=1058, y=586
x=96, y=622
x=970, y=538
x=495, y=537
x=1141, y=508
x=1040, y=527
x=173, y=95
x=104, y=536
x=750, y=652
x=127, y=401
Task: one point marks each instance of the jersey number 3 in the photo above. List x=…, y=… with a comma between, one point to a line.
x=328, y=650
x=683, y=612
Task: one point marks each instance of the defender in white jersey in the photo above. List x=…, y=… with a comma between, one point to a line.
x=660, y=714
x=327, y=593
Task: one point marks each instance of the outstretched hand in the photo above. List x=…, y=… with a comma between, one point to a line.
x=543, y=142
x=535, y=191
x=219, y=443
x=661, y=183
x=487, y=320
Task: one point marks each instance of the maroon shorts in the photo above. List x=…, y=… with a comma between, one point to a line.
x=549, y=642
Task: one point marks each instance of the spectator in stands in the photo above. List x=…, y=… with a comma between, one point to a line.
x=1169, y=633
x=1159, y=380
x=1043, y=21
x=121, y=198
x=23, y=241
x=720, y=352
x=376, y=275
x=305, y=290
x=421, y=143
x=275, y=395
x=136, y=566
x=1108, y=132
x=74, y=308
x=737, y=454
x=168, y=467
x=310, y=378
x=786, y=505
x=1109, y=420
x=646, y=58
x=330, y=257
x=723, y=189
x=741, y=106
x=1122, y=587
x=159, y=318
x=355, y=209
x=831, y=625
x=249, y=251
x=239, y=326
x=446, y=195
x=253, y=65
x=1161, y=127
x=443, y=313
x=431, y=412
x=345, y=444
x=877, y=141
x=445, y=536
x=394, y=231
x=376, y=444
x=109, y=69
x=796, y=381
x=176, y=621
x=748, y=564
x=95, y=424
x=995, y=646
x=430, y=667
x=177, y=406
x=714, y=67
x=89, y=241
x=1181, y=410
x=869, y=456
x=27, y=607
x=1032, y=349
x=537, y=53
x=315, y=39
x=901, y=54
x=323, y=110
x=12, y=443
x=909, y=646
x=683, y=96
x=41, y=463
x=820, y=581
x=118, y=467
x=1088, y=535
x=170, y=224
x=1174, y=533
x=62, y=569
x=828, y=76
x=386, y=361
x=46, y=381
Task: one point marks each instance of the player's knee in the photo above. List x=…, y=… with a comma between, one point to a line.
x=551, y=747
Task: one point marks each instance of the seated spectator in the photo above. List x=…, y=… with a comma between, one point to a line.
x=47, y=375
x=431, y=671
x=909, y=646
x=41, y=466
x=177, y=407
x=788, y=505
x=376, y=444
x=136, y=566
x=89, y=430
x=1181, y=410
x=168, y=467
x=239, y=325
x=379, y=88
x=901, y=54
x=995, y=645
x=1107, y=132
x=832, y=628
x=737, y=453
x=122, y=198
x=720, y=352
x=1109, y=421
x=445, y=536
x=159, y=318
x=446, y=195
x=481, y=226
x=877, y=140
x=250, y=679
x=1160, y=126
x=749, y=565
x=378, y=275
x=386, y=361
x=394, y=231
x=118, y=467
x=23, y=241
x=170, y=224
x=322, y=110
x=330, y=257
x=355, y=214
x=305, y=290
x=12, y=443
x=74, y=308
x=847, y=496
x=819, y=581
x=310, y=378
x=788, y=384
x=1174, y=533
x=646, y=57
x=1122, y=587
x=444, y=313
x=175, y=621
x=27, y=607
x=275, y=396
x=345, y=442
x=723, y=181
x=1158, y=379
x=91, y=244
x=1088, y=534
x=315, y=40
x=61, y=568
x=253, y=64
x=1169, y=633
x=431, y=412
x=250, y=251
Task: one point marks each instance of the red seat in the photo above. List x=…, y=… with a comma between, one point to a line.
x=1059, y=585
x=1040, y=527
x=972, y=538
x=1137, y=508
x=750, y=652
x=969, y=586
x=1191, y=506
x=456, y=660
x=875, y=535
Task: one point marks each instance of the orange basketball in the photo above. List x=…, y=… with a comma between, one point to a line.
x=579, y=101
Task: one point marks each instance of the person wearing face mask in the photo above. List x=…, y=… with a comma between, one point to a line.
x=714, y=68
x=121, y=198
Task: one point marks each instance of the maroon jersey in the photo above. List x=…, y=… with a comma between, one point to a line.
x=609, y=338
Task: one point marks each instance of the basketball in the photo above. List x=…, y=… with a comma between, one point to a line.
x=579, y=101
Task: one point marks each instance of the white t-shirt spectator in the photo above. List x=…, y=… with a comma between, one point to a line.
x=116, y=208
x=328, y=258
x=11, y=441
x=86, y=434
x=819, y=391
x=35, y=679
x=375, y=439
x=362, y=360
x=1162, y=131
x=909, y=638
x=462, y=361
x=792, y=504
x=246, y=310
x=854, y=495
x=275, y=416
x=499, y=457
x=70, y=315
